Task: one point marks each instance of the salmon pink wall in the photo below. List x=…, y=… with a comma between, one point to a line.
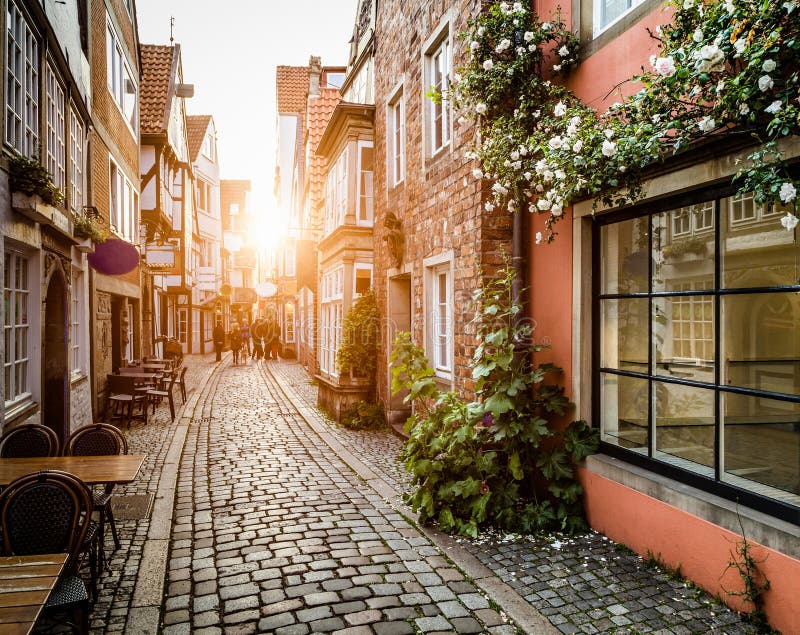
x=549, y=282
x=701, y=548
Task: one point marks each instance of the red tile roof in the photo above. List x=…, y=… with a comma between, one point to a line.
x=196, y=128
x=157, y=63
x=319, y=113
x=292, y=89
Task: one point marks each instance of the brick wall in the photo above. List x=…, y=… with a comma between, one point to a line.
x=439, y=203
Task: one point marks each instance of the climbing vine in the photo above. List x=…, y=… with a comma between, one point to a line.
x=722, y=69
x=499, y=459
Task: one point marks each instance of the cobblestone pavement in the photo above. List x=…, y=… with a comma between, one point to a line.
x=116, y=586
x=584, y=584
x=273, y=533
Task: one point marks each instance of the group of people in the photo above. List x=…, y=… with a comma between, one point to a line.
x=259, y=340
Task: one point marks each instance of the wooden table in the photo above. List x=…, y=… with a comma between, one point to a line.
x=153, y=366
x=25, y=584
x=145, y=376
x=117, y=468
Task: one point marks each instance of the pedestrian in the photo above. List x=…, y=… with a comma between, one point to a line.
x=258, y=339
x=245, y=339
x=274, y=345
x=235, y=338
x=219, y=339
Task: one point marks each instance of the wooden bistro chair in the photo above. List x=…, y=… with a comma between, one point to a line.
x=49, y=512
x=29, y=440
x=182, y=382
x=121, y=396
x=99, y=439
x=156, y=395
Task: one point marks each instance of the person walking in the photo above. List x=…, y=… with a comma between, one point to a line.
x=219, y=339
x=258, y=339
x=235, y=339
x=245, y=331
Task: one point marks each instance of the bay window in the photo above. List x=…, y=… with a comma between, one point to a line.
x=366, y=163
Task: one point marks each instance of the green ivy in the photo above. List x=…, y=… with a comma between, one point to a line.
x=498, y=460
x=723, y=68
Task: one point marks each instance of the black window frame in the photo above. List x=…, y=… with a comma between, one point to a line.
x=774, y=507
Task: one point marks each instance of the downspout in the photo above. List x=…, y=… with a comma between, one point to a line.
x=518, y=266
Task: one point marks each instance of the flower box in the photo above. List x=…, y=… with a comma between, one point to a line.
x=31, y=206
x=85, y=245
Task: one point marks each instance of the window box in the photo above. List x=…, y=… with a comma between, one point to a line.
x=33, y=207
x=84, y=245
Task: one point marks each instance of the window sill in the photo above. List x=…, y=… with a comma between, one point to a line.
x=19, y=411
x=78, y=376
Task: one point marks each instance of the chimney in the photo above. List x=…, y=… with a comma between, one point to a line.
x=314, y=75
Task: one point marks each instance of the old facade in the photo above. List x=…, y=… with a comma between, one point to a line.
x=237, y=218
x=46, y=93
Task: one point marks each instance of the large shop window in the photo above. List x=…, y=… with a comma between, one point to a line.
x=698, y=347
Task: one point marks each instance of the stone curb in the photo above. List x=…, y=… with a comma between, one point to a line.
x=524, y=615
x=144, y=615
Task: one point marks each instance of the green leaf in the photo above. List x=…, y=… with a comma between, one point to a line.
x=515, y=467
x=498, y=404
x=555, y=465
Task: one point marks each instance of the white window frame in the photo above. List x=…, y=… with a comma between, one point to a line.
x=123, y=204
x=207, y=149
x=18, y=371
x=336, y=192
x=289, y=262
x=22, y=70
x=119, y=78
x=365, y=206
x=441, y=361
x=437, y=61
x=332, y=309
x=77, y=164
x=396, y=138
x=289, y=323
x=362, y=266
x=56, y=142
x=76, y=323
x=597, y=15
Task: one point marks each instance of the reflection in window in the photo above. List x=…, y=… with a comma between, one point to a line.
x=624, y=256
x=684, y=426
x=624, y=420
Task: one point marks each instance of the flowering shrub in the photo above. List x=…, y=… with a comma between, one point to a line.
x=484, y=461
x=723, y=68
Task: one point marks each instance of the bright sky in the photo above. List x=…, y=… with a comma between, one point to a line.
x=230, y=50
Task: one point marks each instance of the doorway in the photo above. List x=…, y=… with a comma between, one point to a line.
x=55, y=405
x=399, y=309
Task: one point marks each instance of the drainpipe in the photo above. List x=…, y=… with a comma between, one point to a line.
x=518, y=265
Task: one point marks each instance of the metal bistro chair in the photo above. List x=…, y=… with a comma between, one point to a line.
x=49, y=512
x=28, y=440
x=156, y=395
x=99, y=439
x=122, y=396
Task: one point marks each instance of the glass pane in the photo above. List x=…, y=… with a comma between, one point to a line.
x=623, y=407
x=683, y=248
x=761, y=341
x=685, y=426
x=623, y=257
x=683, y=337
x=756, y=250
x=761, y=441
x=623, y=331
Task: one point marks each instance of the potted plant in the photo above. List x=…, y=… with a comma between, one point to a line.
x=31, y=185
x=86, y=225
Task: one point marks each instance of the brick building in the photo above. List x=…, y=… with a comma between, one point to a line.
x=432, y=234
x=114, y=175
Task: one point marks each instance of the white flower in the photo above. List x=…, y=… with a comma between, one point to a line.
x=481, y=31
x=512, y=206
x=480, y=108
x=462, y=121
x=697, y=36
x=688, y=4
x=488, y=206
x=504, y=7
x=528, y=176
x=528, y=36
x=561, y=175
x=537, y=114
x=729, y=6
x=538, y=238
x=520, y=51
x=539, y=188
x=517, y=7
x=545, y=26
x=556, y=68
x=739, y=46
x=556, y=210
x=563, y=51
x=710, y=57
x=706, y=124
x=578, y=146
x=664, y=66
x=474, y=46
x=609, y=133
x=499, y=189
x=560, y=109
x=477, y=173
x=523, y=150
x=488, y=65
x=507, y=163
x=659, y=30
x=609, y=148
x=744, y=109
x=720, y=86
x=768, y=66
x=775, y=107
x=765, y=83
x=655, y=118
x=504, y=44
x=788, y=192
x=543, y=204
x=790, y=6
x=541, y=166
x=789, y=221
x=516, y=165
x=514, y=155
x=653, y=60
x=555, y=142
x=547, y=176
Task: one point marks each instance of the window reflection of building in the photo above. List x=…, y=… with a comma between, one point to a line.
x=699, y=348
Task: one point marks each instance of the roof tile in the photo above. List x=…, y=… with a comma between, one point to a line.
x=292, y=88
x=196, y=128
x=156, y=71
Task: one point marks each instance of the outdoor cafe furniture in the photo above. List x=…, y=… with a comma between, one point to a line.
x=49, y=512
x=92, y=470
x=25, y=585
x=121, y=394
x=29, y=439
x=156, y=395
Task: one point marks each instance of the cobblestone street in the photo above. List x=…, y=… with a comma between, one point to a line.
x=285, y=523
